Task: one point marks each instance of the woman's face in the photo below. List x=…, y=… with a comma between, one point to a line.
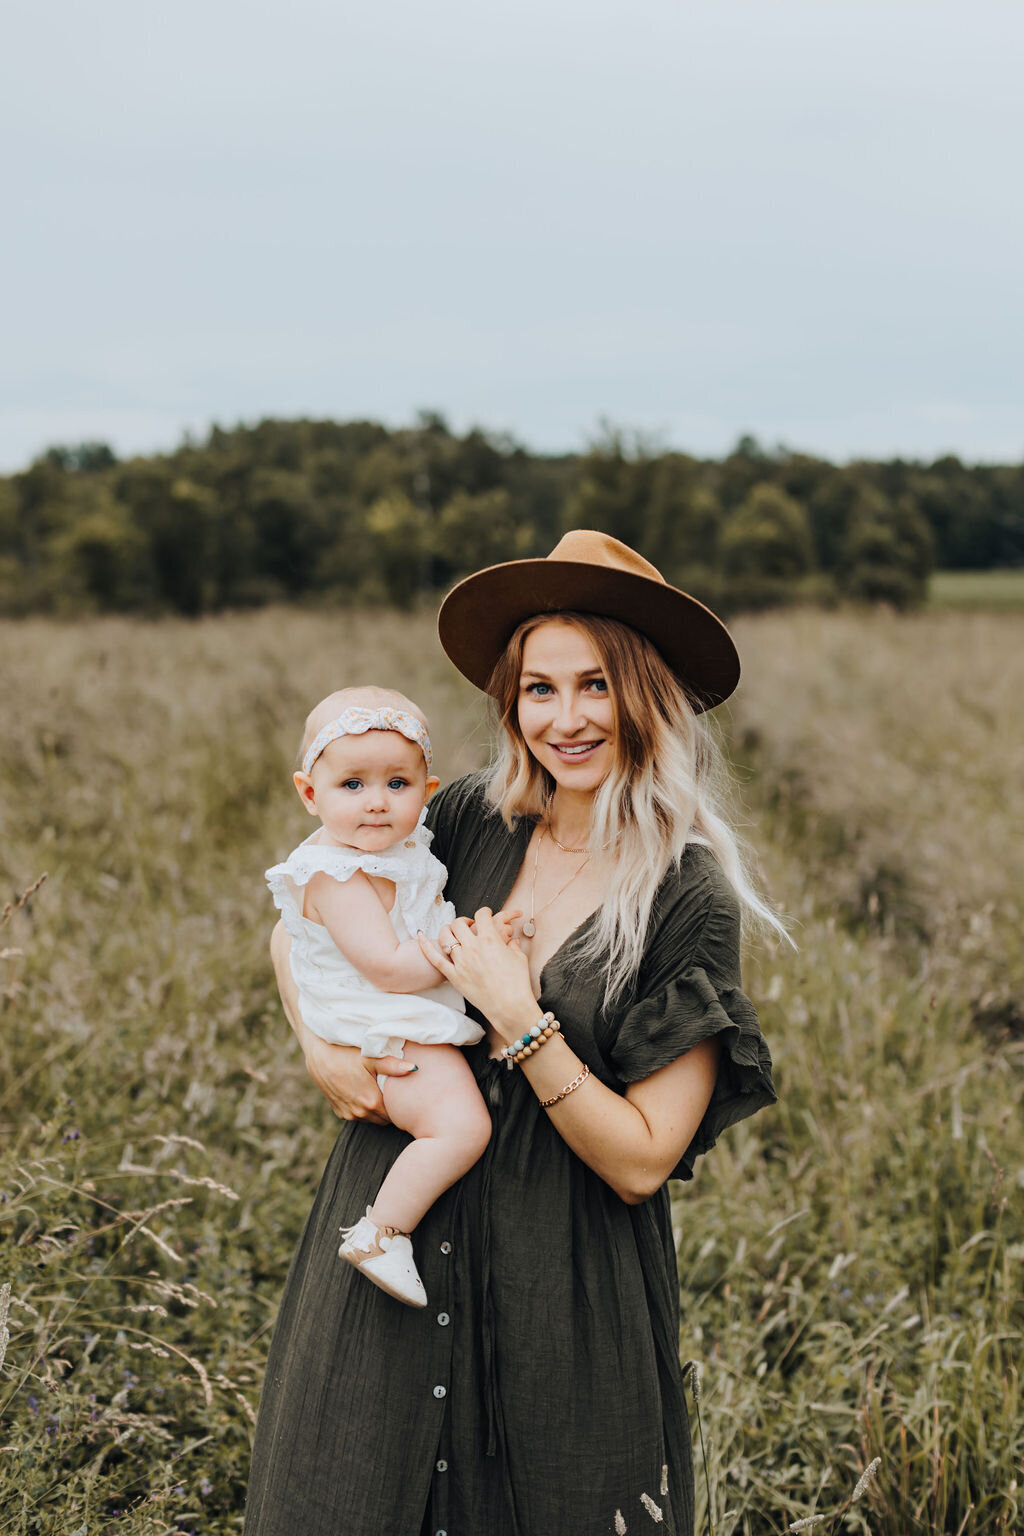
x=565, y=711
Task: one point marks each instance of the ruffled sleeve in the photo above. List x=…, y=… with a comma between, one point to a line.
x=702, y=1000
x=310, y=859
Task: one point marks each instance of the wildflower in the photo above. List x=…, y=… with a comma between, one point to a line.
x=620, y=1524
x=807, y=1524
x=692, y=1378
x=867, y=1476
x=651, y=1508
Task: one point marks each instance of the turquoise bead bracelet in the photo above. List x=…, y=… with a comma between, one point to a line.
x=518, y=1050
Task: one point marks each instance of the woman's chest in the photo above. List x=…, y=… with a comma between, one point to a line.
x=553, y=904
x=491, y=868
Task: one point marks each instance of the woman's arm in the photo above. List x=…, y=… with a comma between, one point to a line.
x=346, y=1079
x=631, y=1142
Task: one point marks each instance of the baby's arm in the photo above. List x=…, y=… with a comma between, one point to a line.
x=355, y=918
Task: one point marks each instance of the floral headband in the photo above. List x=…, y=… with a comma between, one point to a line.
x=356, y=721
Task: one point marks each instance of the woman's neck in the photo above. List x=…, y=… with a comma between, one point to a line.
x=569, y=816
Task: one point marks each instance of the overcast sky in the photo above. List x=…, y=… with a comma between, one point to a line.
x=797, y=218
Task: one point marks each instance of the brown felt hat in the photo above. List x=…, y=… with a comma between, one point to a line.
x=589, y=572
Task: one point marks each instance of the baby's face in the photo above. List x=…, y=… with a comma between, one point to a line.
x=368, y=790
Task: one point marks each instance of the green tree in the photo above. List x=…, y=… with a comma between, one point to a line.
x=766, y=548
x=102, y=557
x=683, y=524
x=289, y=530
x=475, y=531
x=888, y=551
x=402, y=534
x=89, y=458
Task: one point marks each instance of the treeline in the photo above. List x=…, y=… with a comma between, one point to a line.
x=353, y=512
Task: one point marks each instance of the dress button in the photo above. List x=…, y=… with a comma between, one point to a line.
x=443, y=1319
x=446, y=1247
x=440, y=1391
x=441, y=1466
x=409, y=843
x=438, y=899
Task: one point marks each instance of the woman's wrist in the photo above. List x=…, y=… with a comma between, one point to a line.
x=515, y=1018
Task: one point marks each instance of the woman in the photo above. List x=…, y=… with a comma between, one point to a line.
x=540, y=1391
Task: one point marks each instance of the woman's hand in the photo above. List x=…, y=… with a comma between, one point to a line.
x=491, y=972
x=347, y=1080
x=504, y=922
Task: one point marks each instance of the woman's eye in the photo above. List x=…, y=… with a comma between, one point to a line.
x=539, y=690
x=599, y=684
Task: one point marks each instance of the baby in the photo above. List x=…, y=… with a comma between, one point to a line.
x=353, y=897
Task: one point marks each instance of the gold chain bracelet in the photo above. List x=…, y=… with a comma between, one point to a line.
x=577, y=1082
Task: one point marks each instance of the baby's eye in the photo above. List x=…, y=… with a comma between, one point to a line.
x=398, y=784
x=352, y=784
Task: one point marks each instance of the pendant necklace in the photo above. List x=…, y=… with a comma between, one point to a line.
x=530, y=926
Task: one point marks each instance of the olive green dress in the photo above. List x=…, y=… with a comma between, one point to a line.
x=539, y=1393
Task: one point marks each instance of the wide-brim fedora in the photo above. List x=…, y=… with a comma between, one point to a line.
x=589, y=572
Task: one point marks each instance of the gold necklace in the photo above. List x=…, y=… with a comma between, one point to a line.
x=530, y=926
x=550, y=829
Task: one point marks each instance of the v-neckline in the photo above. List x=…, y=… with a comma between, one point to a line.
x=530, y=823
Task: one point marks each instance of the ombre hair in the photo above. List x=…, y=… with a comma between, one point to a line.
x=667, y=788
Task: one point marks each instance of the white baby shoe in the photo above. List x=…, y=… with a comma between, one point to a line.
x=384, y=1255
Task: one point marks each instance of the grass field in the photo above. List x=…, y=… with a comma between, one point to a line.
x=998, y=591
x=850, y=1262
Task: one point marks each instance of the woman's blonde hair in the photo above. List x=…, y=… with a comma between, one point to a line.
x=666, y=789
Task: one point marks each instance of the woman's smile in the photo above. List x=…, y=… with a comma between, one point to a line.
x=575, y=751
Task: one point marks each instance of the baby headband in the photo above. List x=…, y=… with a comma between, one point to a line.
x=356, y=721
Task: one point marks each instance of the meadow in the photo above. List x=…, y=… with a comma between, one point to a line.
x=1000, y=590
x=850, y=1262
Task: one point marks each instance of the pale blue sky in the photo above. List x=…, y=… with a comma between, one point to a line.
x=796, y=219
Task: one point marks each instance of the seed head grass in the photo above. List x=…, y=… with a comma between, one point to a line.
x=850, y=1261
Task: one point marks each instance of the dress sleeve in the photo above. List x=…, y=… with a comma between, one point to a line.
x=701, y=1001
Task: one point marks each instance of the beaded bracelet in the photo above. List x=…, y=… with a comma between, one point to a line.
x=518, y=1050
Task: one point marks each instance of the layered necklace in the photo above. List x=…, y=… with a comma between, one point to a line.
x=529, y=927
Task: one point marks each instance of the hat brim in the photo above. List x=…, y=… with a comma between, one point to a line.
x=479, y=616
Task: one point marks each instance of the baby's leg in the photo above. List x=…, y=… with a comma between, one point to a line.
x=441, y=1106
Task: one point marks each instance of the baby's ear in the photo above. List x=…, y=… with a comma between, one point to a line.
x=433, y=783
x=307, y=794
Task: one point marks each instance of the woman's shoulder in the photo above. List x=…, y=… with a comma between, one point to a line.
x=699, y=883
x=460, y=808
x=696, y=914
x=456, y=796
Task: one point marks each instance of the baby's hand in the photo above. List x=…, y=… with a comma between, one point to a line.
x=503, y=921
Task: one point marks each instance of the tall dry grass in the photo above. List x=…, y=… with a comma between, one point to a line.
x=850, y=1262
